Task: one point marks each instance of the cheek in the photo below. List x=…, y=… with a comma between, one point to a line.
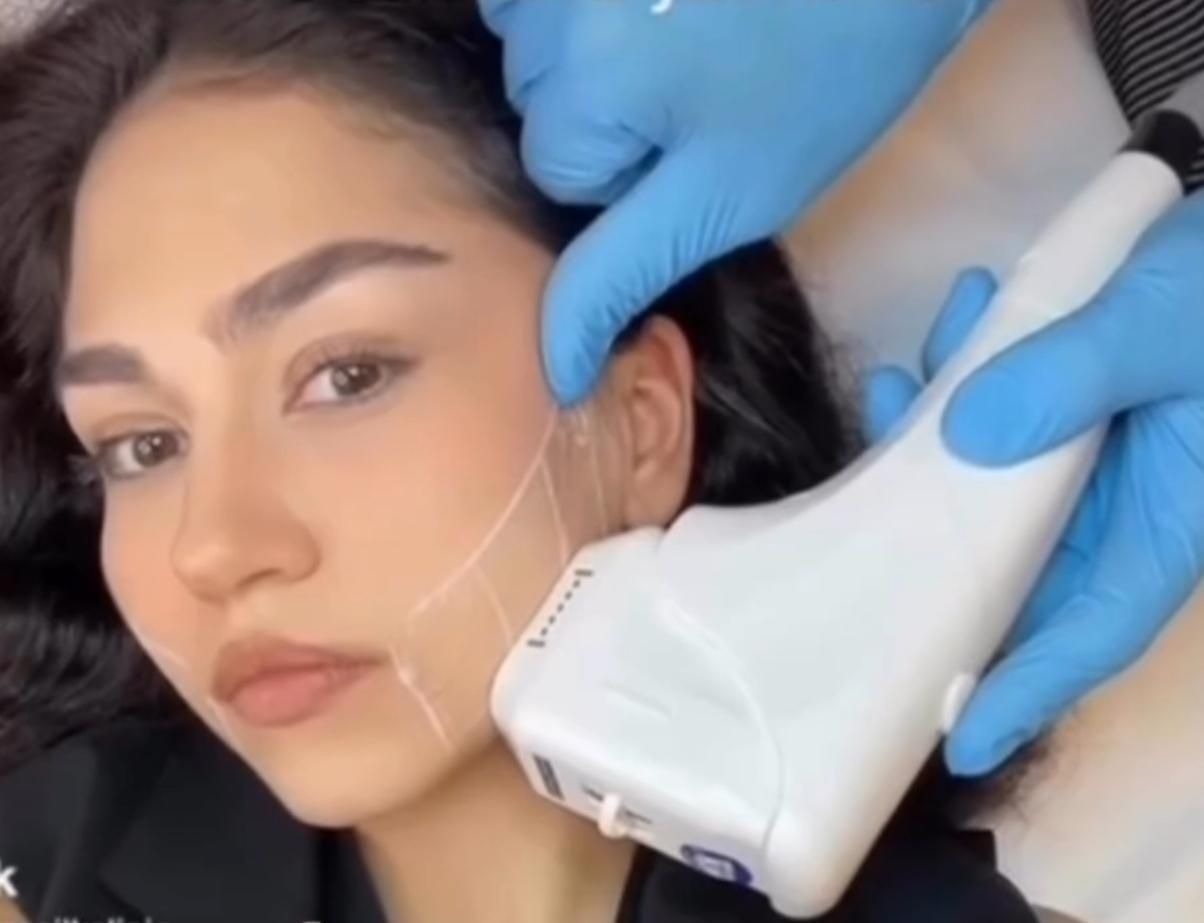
x=442, y=548
x=153, y=604
x=405, y=497
x=413, y=507
x=133, y=568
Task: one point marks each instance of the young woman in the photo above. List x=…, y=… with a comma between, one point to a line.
x=283, y=480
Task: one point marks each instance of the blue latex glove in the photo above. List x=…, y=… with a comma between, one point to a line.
x=707, y=127
x=1134, y=550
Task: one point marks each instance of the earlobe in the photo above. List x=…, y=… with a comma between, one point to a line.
x=653, y=386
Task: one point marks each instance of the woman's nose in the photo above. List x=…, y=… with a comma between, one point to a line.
x=237, y=531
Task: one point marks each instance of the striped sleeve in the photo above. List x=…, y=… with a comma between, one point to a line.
x=1148, y=48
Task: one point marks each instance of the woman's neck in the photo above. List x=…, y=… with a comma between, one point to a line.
x=484, y=847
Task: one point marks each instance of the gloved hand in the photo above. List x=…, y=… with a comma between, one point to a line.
x=1134, y=550
x=707, y=127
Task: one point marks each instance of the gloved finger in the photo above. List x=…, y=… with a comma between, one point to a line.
x=534, y=44
x=890, y=390
x=1038, y=680
x=888, y=393
x=574, y=151
x=1149, y=562
x=974, y=9
x=1067, y=570
x=496, y=14
x=665, y=228
x=999, y=718
x=969, y=299
x=1152, y=549
x=1137, y=343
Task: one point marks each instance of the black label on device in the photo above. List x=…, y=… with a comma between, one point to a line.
x=550, y=782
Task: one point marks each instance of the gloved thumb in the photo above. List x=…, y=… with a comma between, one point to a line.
x=972, y=293
x=889, y=391
x=671, y=223
x=572, y=149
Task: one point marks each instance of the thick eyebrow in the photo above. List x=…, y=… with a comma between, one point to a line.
x=101, y=365
x=256, y=307
x=279, y=291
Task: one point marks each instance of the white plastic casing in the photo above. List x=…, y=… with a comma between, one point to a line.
x=753, y=691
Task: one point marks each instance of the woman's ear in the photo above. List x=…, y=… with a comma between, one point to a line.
x=652, y=389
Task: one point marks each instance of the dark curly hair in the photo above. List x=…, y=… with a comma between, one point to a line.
x=773, y=418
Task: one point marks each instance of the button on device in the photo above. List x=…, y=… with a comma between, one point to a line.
x=956, y=700
x=610, y=818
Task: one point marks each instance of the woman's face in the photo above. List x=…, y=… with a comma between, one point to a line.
x=306, y=356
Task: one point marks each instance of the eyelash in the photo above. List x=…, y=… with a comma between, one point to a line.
x=98, y=464
x=328, y=357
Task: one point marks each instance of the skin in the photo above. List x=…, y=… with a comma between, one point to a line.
x=252, y=487
x=10, y=912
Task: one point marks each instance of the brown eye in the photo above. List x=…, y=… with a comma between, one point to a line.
x=355, y=378
x=350, y=380
x=133, y=455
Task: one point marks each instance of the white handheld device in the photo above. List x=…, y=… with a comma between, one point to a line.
x=753, y=690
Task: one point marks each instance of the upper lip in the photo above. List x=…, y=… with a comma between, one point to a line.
x=250, y=659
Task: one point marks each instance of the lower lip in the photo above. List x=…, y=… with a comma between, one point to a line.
x=289, y=697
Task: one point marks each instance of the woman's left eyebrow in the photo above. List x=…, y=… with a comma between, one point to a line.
x=262, y=303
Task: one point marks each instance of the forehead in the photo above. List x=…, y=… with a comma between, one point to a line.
x=199, y=192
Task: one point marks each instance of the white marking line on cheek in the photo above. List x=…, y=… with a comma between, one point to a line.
x=496, y=604
x=500, y=524
x=581, y=426
x=599, y=489
x=165, y=653
x=220, y=715
x=432, y=715
x=561, y=538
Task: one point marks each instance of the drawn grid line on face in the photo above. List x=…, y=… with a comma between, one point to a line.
x=162, y=651
x=496, y=604
x=471, y=565
x=596, y=468
x=432, y=714
x=220, y=715
x=472, y=560
x=562, y=539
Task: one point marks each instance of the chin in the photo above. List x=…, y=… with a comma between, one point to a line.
x=346, y=782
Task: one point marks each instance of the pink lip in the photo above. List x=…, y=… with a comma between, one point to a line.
x=270, y=682
x=292, y=696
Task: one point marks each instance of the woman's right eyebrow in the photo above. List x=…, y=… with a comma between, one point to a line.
x=108, y=364
x=255, y=308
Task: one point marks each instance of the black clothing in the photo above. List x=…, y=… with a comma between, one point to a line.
x=163, y=822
